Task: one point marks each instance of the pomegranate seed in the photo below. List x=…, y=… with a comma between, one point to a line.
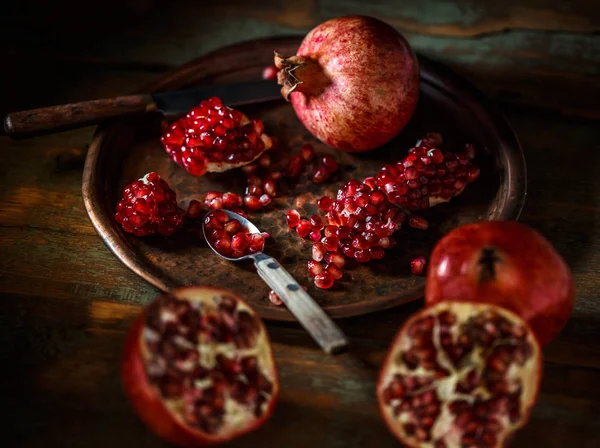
x=303, y=228
x=418, y=222
x=274, y=298
x=314, y=268
x=194, y=210
x=329, y=163
x=254, y=190
x=270, y=188
x=337, y=259
x=264, y=200
x=240, y=241
x=254, y=180
x=321, y=175
x=231, y=200
x=315, y=235
x=417, y=265
x=317, y=222
x=214, y=200
x=270, y=73
x=362, y=256
x=257, y=242
x=264, y=160
x=295, y=166
x=330, y=243
x=334, y=271
x=252, y=203
x=250, y=169
x=232, y=226
x=472, y=173
x=324, y=203
x=318, y=252
x=376, y=253
x=292, y=218
x=360, y=243
x=307, y=152
x=330, y=230
x=324, y=280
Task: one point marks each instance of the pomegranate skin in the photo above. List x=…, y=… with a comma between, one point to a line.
x=366, y=89
x=528, y=275
x=150, y=408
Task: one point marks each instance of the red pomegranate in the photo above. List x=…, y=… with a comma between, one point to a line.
x=460, y=375
x=198, y=369
x=354, y=82
x=506, y=263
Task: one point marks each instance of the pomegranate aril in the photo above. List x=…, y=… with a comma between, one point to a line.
x=315, y=235
x=330, y=243
x=417, y=265
x=317, y=222
x=376, y=253
x=324, y=203
x=194, y=210
x=320, y=175
x=264, y=200
x=254, y=190
x=292, y=218
x=418, y=222
x=324, y=280
x=362, y=256
x=330, y=230
x=274, y=298
x=264, y=160
x=335, y=258
x=318, y=252
x=307, y=152
x=329, y=163
x=231, y=200
x=252, y=202
x=232, y=226
x=314, y=268
x=334, y=271
x=295, y=166
x=303, y=228
x=240, y=241
x=270, y=188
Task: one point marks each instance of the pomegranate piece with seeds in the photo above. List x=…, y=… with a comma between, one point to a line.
x=149, y=207
x=427, y=176
x=229, y=237
x=214, y=138
x=460, y=374
x=198, y=367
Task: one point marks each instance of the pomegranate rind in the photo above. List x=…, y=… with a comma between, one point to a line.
x=533, y=280
x=151, y=408
x=532, y=371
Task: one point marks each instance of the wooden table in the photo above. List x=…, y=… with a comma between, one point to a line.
x=66, y=301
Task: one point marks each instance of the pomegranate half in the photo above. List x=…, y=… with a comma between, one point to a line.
x=460, y=375
x=353, y=83
x=198, y=369
x=506, y=263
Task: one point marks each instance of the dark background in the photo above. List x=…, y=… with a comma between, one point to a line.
x=65, y=301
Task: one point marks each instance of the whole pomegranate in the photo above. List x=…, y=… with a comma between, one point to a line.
x=198, y=369
x=506, y=263
x=460, y=374
x=354, y=82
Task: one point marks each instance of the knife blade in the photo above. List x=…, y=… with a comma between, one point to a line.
x=239, y=94
x=69, y=116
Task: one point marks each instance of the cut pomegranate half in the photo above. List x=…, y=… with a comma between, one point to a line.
x=460, y=374
x=214, y=138
x=198, y=368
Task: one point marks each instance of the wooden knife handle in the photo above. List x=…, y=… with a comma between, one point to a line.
x=70, y=116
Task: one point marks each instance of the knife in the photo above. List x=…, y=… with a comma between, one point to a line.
x=70, y=116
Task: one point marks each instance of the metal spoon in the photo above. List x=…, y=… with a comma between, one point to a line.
x=310, y=315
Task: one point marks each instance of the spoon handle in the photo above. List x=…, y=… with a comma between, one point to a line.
x=310, y=315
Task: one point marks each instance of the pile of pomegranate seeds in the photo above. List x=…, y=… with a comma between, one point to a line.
x=426, y=176
x=360, y=221
x=209, y=359
x=229, y=237
x=149, y=206
x=213, y=137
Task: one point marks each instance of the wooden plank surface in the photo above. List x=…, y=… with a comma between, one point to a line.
x=65, y=301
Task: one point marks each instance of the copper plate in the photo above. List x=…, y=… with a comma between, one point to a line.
x=125, y=150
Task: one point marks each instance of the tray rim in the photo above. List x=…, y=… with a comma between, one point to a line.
x=516, y=175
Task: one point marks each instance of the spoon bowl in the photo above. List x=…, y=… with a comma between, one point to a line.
x=308, y=313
